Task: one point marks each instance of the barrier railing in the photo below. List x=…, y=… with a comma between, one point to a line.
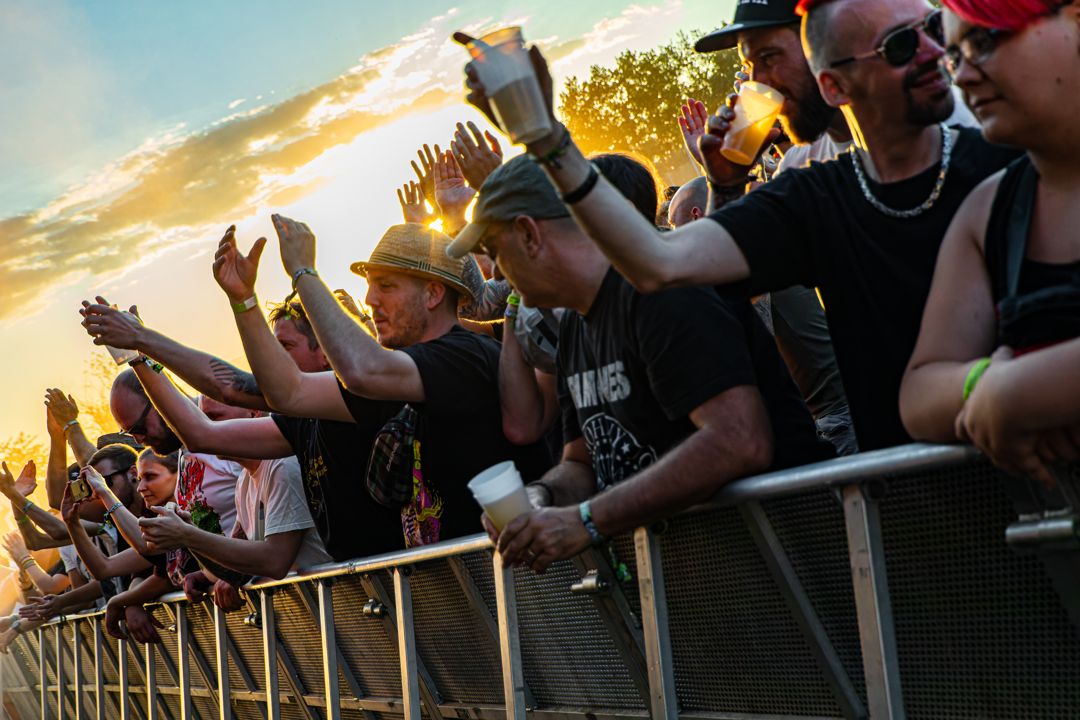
x=879, y=585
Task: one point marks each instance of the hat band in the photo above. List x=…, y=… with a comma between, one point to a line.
x=407, y=263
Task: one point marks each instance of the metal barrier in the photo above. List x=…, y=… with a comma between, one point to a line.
x=771, y=601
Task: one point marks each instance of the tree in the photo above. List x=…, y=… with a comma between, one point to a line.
x=634, y=105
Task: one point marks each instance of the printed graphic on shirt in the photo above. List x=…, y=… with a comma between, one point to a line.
x=616, y=454
x=609, y=384
x=421, y=517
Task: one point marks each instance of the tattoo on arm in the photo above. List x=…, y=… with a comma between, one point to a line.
x=234, y=377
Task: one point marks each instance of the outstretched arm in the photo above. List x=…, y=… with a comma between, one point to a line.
x=66, y=413
x=56, y=469
x=287, y=389
x=101, y=566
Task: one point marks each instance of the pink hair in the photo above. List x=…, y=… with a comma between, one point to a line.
x=1011, y=15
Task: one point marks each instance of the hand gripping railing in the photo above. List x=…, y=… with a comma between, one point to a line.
x=770, y=601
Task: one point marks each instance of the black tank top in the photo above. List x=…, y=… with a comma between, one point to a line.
x=1046, y=306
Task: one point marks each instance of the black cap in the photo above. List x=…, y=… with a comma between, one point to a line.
x=749, y=15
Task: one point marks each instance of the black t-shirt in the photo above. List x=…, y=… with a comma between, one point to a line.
x=333, y=458
x=460, y=433
x=633, y=368
x=813, y=226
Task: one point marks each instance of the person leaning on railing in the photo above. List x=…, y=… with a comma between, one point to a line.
x=998, y=357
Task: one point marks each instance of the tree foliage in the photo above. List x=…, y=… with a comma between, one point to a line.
x=634, y=105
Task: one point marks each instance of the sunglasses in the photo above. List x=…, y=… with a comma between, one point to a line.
x=139, y=428
x=108, y=478
x=900, y=46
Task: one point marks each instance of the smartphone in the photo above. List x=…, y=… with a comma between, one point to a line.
x=80, y=489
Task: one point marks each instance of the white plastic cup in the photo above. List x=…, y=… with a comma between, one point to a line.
x=501, y=492
x=119, y=355
x=755, y=114
x=510, y=83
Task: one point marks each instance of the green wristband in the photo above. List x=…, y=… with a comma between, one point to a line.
x=974, y=375
x=248, y=304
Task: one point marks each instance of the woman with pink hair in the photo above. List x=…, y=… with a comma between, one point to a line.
x=998, y=357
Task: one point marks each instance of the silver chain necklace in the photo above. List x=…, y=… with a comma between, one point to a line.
x=947, y=142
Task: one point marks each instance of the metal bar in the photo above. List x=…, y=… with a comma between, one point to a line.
x=122, y=672
x=330, y=650
x=127, y=650
x=802, y=610
x=509, y=642
x=195, y=653
x=622, y=626
x=221, y=655
x=293, y=678
x=76, y=668
x=663, y=701
x=184, y=665
x=151, y=683
x=429, y=693
x=241, y=667
x=43, y=698
x=60, y=681
x=480, y=609
x=270, y=654
x=873, y=605
x=311, y=604
x=410, y=690
x=99, y=672
x=108, y=655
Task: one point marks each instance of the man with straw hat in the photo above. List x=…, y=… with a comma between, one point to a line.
x=427, y=387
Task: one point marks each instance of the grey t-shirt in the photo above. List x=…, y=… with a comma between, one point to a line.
x=271, y=500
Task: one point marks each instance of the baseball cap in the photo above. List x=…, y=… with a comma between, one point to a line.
x=749, y=15
x=518, y=187
x=416, y=250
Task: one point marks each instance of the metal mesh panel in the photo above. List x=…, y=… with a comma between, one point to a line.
x=458, y=650
x=735, y=645
x=24, y=653
x=247, y=641
x=567, y=655
x=299, y=637
x=246, y=710
x=369, y=651
x=201, y=641
x=980, y=631
x=813, y=533
x=165, y=663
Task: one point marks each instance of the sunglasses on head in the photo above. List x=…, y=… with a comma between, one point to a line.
x=900, y=46
x=139, y=428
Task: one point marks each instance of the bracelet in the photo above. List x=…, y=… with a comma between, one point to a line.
x=26, y=506
x=585, y=510
x=27, y=563
x=301, y=273
x=14, y=627
x=137, y=361
x=551, y=158
x=730, y=192
x=575, y=196
x=513, y=305
x=116, y=506
x=22, y=520
x=974, y=375
x=246, y=305
x=69, y=424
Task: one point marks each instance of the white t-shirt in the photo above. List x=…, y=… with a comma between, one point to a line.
x=211, y=481
x=271, y=500
x=825, y=148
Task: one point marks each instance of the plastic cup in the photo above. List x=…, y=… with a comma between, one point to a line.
x=119, y=355
x=500, y=491
x=510, y=83
x=755, y=115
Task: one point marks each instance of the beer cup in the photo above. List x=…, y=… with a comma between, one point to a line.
x=500, y=491
x=755, y=115
x=510, y=83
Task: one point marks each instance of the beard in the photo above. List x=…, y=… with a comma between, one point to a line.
x=809, y=115
x=164, y=444
x=409, y=326
x=929, y=111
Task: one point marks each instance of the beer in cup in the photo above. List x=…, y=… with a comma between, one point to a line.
x=510, y=84
x=755, y=114
x=500, y=491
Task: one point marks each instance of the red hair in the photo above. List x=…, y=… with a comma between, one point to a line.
x=1011, y=15
x=806, y=6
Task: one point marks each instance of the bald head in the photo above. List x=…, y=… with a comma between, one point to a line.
x=689, y=203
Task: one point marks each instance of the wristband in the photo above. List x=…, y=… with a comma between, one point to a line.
x=551, y=158
x=585, y=511
x=301, y=273
x=974, y=375
x=577, y=195
x=27, y=563
x=513, y=305
x=114, y=508
x=137, y=361
x=26, y=506
x=246, y=305
x=70, y=424
x=728, y=193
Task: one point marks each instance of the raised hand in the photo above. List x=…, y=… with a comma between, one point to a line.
x=26, y=483
x=412, y=204
x=692, y=123
x=235, y=272
x=96, y=482
x=63, y=408
x=69, y=506
x=425, y=176
x=451, y=193
x=7, y=480
x=296, y=242
x=477, y=96
x=15, y=547
x=476, y=159
x=109, y=325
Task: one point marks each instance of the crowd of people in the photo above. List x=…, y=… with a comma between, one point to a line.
x=905, y=272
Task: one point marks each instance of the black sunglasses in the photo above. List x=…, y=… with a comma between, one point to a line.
x=139, y=428
x=108, y=478
x=900, y=46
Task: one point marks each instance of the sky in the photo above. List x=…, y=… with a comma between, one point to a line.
x=133, y=133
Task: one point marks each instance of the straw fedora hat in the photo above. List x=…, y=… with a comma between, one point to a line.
x=418, y=250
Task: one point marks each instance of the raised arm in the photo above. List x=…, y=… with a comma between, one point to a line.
x=56, y=469
x=101, y=566
x=210, y=375
x=126, y=523
x=526, y=396
x=287, y=389
x=65, y=411
x=242, y=437
x=696, y=254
